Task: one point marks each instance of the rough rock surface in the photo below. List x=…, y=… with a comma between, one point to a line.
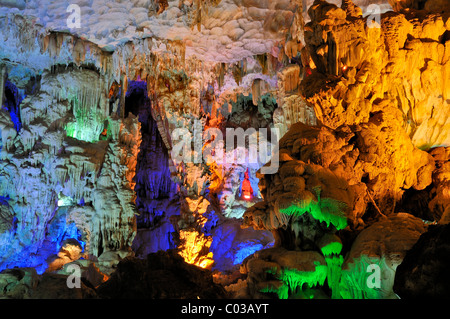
x=428, y=5
x=60, y=173
x=424, y=272
x=402, y=63
x=221, y=30
x=280, y=272
x=370, y=94
x=365, y=160
x=88, y=271
x=440, y=193
x=18, y=283
x=385, y=244
x=160, y=275
x=54, y=286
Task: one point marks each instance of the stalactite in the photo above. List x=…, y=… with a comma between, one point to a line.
x=263, y=62
x=238, y=73
x=298, y=25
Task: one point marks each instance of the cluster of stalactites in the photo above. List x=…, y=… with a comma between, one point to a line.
x=24, y=39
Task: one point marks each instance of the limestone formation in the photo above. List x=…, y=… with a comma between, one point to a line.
x=379, y=249
x=163, y=275
x=363, y=68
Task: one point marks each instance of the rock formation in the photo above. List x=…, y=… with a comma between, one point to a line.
x=423, y=274
x=161, y=275
x=400, y=63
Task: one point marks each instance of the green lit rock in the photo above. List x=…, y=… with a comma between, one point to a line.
x=361, y=279
x=369, y=270
x=87, y=126
x=332, y=248
x=275, y=286
x=284, y=272
x=334, y=267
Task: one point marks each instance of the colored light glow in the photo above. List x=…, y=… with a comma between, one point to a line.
x=73, y=232
x=16, y=120
x=245, y=250
x=326, y=210
x=334, y=265
x=353, y=282
x=294, y=279
x=308, y=71
x=344, y=68
x=88, y=125
x=246, y=188
x=282, y=291
x=193, y=249
x=4, y=200
x=332, y=248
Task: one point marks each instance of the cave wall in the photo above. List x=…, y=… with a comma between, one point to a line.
x=59, y=171
x=339, y=196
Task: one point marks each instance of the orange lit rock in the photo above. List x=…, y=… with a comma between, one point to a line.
x=402, y=64
x=70, y=251
x=440, y=204
x=371, y=162
x=194, y=248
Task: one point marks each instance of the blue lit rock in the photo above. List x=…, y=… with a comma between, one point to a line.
x=70, y=168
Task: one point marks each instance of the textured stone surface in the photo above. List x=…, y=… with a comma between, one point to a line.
x=267, y=270
x=54, y=286
x=68, y=178
x=424, y=270
x=161, y=275
x=18, y=283
x=366, y=160
x=385, y=244
x=90, y=145
x=402, y=63
x=440, y=203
